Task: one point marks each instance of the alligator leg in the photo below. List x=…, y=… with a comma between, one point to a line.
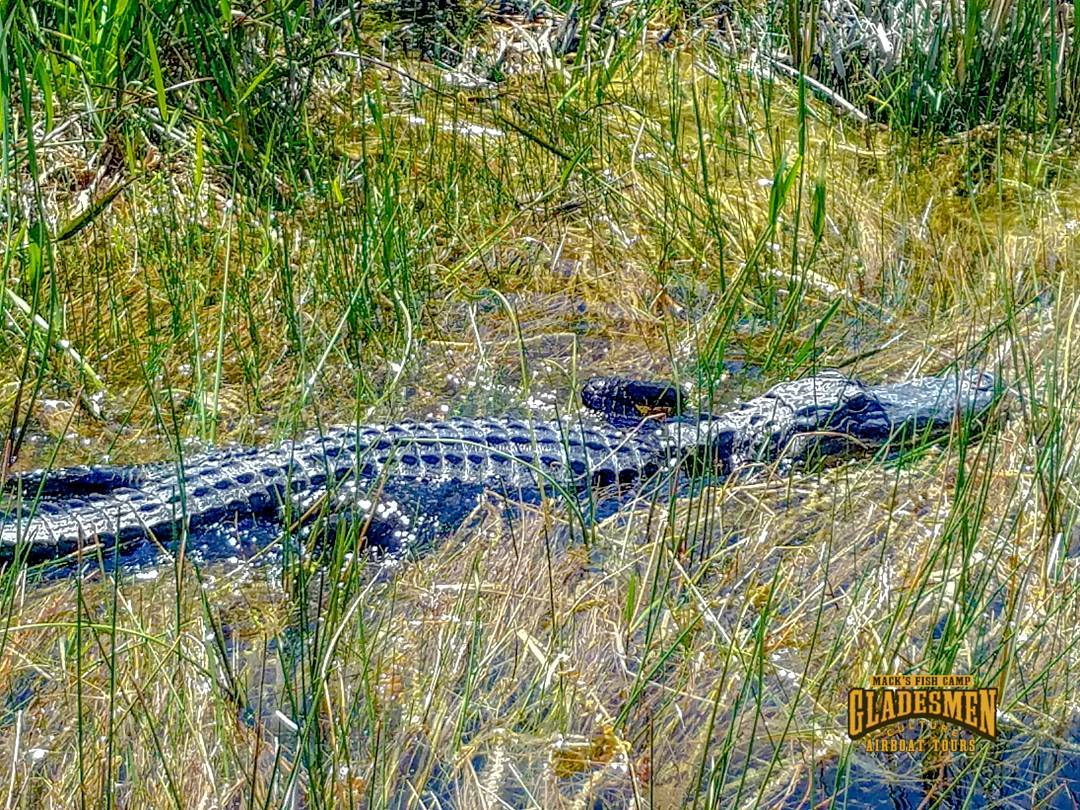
x=625, y=401
x=400, y=516
x=69, y=481
x=410, y=516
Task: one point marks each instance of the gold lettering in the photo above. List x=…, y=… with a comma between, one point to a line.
x=953, y=707
x=988, y=712
x=973, y=709
x=903, y=703
x=856, y=721
x=888, y=706
x=971, y=706
x=920, y=702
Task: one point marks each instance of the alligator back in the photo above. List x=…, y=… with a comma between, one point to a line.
x=122, y=504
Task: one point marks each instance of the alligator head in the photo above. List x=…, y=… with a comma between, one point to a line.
x=830, y=416
x=830, y=413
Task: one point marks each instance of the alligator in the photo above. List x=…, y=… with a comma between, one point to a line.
x=408, y=482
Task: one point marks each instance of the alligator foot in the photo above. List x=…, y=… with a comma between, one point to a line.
x=398, y=515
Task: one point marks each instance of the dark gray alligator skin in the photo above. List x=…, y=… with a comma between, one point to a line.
x=410, y=479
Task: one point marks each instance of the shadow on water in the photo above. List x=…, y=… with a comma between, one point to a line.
x=221, y=544
x=1018, y=770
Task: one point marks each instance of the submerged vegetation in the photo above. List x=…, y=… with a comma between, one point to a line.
x=227, y=222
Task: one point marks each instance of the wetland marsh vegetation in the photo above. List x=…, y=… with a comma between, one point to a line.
x=231, y=222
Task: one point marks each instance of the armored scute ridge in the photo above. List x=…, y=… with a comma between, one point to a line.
x=410, y=480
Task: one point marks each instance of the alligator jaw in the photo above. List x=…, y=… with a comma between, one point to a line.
x=928, y=407
x=831, y=417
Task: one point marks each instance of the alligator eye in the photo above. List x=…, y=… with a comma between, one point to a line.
x=857, y=404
